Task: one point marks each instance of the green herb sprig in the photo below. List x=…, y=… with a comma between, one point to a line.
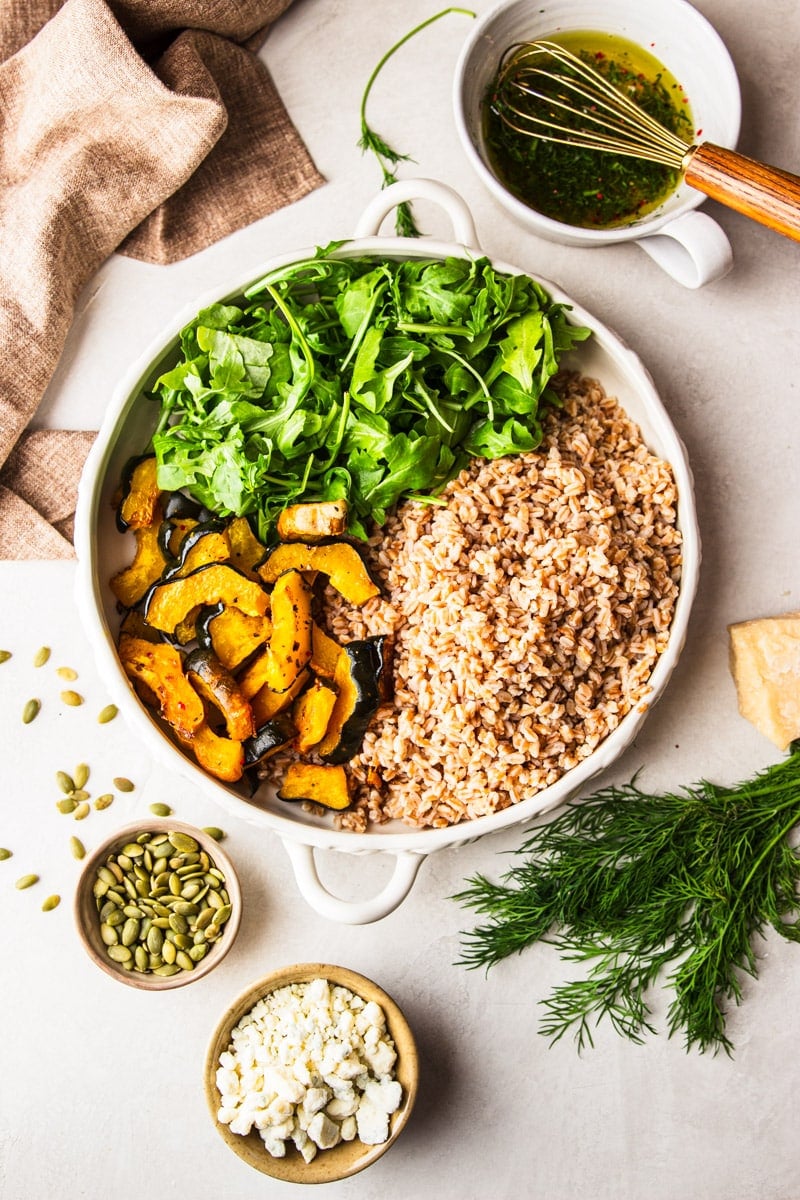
x=388, y=158
x=643, y=889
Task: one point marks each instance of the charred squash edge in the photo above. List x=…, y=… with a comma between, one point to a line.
x=217, y=686
x=358, y=682
x=139, y=492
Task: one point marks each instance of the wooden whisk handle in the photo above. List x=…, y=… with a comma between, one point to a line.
x=767, y=194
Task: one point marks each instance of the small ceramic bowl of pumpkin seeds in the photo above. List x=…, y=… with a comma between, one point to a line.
x=158, y=904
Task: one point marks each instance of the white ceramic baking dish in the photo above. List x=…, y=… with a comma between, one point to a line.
x=102, y=551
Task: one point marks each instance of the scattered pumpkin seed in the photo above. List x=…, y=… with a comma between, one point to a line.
x=104, y=801
x=66, y=673
x=213, y=832
x=77, y=847
x=67, y=805
x=50, y=903
x=5, y=655
x=80, y=794
x=160, y=810
x=122, y=784
x=41, y=656
x=65, y=782
x=26, y=881
x=4, y=854
x=82, y=811
x=73, y=699
x=81, y=775
x=31, y=711
x=107, y=714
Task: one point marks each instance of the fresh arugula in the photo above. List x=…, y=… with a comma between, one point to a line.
x=358, y=378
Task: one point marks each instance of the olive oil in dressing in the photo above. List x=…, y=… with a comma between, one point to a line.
x=590, y=188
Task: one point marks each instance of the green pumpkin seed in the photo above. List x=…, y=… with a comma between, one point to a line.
x=66, y=673
x=26, y=881
x=67, y=805
x=182, y=842
x=122, y=784
x=223, y=914
x=104, y=801
x=73, y=699
x=124, y=862
x=130, y=931
x=80, y=774
x=155, y=939
x=4, y=854
x=169, y=952
x=5, y=655
x=213, y=832
x=133, y=850
x=115, y=917
x=80, y=794
x=109, y=934
x=31, y=711
x=198, y=952
x=65, y=782
x=160, y=810
x=141, y=958
x=82, y=811
x=116, y=870
x=132, y=910
x=162, y=850
x=41, y=656
x=167, y=969
x=120, y=954
x=50, y=903
x=205, y=917
x=184, y=961
x=77, y=847
x=107, y=714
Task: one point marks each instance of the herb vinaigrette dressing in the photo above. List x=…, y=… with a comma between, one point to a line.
x=591, y=188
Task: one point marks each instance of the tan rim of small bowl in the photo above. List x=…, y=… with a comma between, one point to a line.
x=347, y=1158
x=88, y=924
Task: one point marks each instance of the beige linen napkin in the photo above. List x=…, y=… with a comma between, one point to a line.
x=144, y=126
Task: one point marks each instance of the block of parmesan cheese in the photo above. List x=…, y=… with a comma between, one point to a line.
x=765, y=664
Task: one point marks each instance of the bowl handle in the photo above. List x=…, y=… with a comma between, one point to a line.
x=419, y=189
x=313, y=891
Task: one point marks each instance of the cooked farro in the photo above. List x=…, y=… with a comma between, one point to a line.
x=526, y=617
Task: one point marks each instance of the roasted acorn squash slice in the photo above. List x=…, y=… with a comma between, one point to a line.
x=202, y=544
x=267, y=703
x=311, y=713
x=359, y=686
x=168, y=603
x=340, y=561
x=246, y=550
x=268, y=739
x=159, y=668
x=140, y=493
x=222, y=757
x=312, y=522
x=147, y=566
x=218, y=688
x=325, y=785
x=231, y=634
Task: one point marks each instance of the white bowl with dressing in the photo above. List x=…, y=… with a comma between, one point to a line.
x=689, y=245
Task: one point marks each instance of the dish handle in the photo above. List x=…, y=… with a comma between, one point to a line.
x=360, y=912
x=419, y=189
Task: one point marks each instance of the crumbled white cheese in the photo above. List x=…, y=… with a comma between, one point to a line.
x=311, y=1064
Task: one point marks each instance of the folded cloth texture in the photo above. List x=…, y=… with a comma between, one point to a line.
x=147, y=127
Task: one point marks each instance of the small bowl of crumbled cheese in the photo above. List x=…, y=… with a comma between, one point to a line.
x=312, y=1073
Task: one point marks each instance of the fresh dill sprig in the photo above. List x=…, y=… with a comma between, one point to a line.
x=646, y=890
x=388, y=158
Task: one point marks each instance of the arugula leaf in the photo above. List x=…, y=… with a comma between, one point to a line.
x=360, y=378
